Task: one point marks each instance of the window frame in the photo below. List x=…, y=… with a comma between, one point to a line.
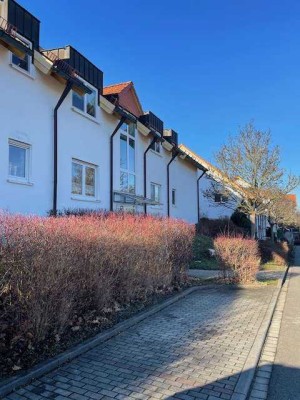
x=126, y=133
x=156, y=147
x=27, y=147
x=223, y=198
x=15, y=66
x=84, y=111
x=173, y=197
x=155, y=185
x=83, y=195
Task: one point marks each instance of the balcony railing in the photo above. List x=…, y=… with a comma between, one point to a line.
x=10, y=38
x=26, y=24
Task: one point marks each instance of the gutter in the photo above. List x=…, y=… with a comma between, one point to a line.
x=65, y=93
x=122, y=120
x=198, y=194
x=175, y=154
x=154, y=139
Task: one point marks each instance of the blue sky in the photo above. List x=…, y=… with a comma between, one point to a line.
x=203, y=66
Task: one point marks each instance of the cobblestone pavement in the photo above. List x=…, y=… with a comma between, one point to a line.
x=193, y=349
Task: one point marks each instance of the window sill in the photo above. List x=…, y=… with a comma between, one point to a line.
x=158, y=208
x=19, y=182
x=155, y=152
x=87, y=116
x=89, y=200
x=22, y=71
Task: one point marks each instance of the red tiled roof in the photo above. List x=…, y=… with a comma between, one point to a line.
x=127, y=97
x=117, y=88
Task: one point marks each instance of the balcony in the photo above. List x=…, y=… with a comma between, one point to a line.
x=152, y=122
x=10, y=39
x=77, y=63
x=171, y=136
x=25, y=23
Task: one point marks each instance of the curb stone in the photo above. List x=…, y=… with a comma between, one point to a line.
x=11, y=384
x=267, y=358
x=247, y=374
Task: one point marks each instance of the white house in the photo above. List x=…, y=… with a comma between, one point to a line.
x=65, y=142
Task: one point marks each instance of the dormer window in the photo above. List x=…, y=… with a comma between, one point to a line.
x=86, y=103
x=156, y=147
x=22, y=64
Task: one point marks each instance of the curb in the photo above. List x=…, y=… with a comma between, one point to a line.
x=268, y=354
x=247, y=374
x=9, y=385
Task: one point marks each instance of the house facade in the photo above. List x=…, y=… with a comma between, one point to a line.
x=68, y=143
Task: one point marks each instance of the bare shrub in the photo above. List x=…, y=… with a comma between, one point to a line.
x=216, y=227
x=274, y=252
x=238, y=258
x=52, y=269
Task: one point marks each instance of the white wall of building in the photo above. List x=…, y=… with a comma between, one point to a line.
x=27, y=108
x=209, y=209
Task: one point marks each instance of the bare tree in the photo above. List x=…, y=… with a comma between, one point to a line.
x=249, y=169
x=282, y=212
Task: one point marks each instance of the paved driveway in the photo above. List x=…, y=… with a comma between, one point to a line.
x=193, y=349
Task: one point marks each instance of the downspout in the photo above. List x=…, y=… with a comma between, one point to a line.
x=55, y=135
x=175, y=154
x=154, y=139
x=122, y=120
x=198, y=194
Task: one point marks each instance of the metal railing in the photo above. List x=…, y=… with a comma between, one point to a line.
x=8, y=28
x=60, y=64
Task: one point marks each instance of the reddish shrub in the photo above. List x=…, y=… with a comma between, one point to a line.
x=238, y=258
x=276, y=253
x=54, y=268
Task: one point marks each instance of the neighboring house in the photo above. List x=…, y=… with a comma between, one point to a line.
x=67, y=142
x=216, y=207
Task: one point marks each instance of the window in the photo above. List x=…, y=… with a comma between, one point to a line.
x=220, y=198
x=83, y=179
x=155, y=192
x=86, y=103
x=19, y=155
x=23, y=64
x=127, y=158
x=174, y=197
x=156, y=147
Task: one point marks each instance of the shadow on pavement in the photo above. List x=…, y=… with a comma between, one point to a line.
x=284, y=385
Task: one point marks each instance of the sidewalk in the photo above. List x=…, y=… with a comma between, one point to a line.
x=285, y=378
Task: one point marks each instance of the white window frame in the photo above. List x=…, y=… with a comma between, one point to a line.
x=13, y=65
x=27, y=148
x=155, y=185
x=156, y=148
x=84, y=111
x=84, y=196
x=127, y=170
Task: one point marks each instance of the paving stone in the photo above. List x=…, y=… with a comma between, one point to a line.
x=194, y=349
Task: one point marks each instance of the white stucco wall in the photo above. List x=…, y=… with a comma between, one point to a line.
x=27, y=104
x=208, y=208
